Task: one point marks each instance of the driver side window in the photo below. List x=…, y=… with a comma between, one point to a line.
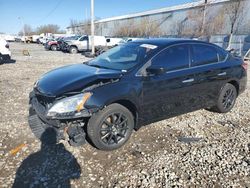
x=83, y=38
x=173, y=58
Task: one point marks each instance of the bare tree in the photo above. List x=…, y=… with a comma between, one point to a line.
x=194, y=22
x=87, y=27
x=215, y=21
x=235, y=10
x=27, y=29
x=144, y=28
x=82, y=27
x=178, y=27
x=73, y=24
x=50, y=28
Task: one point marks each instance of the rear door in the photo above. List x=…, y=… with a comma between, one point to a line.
x=172, y=93
x=208, y=64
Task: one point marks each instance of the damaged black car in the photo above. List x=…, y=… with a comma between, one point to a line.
x=134, y=84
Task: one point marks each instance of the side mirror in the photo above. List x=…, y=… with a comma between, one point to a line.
x=156, y=70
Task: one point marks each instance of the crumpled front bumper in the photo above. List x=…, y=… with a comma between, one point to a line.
x=39, y=126
x=39, y=110
x=39, y=122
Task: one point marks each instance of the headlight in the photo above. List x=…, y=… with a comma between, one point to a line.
x=70, y=104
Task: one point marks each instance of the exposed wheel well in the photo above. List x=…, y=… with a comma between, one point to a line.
x=53, y=45
x=235, y=84
x=73, y=46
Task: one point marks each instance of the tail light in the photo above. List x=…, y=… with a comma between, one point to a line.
x=244, y=65
x=7, y=46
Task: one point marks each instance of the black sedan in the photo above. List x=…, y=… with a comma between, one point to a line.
x=132, y=85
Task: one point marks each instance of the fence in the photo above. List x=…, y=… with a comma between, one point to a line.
x=240, y=43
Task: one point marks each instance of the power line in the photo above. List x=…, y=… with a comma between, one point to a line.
x=52, y=11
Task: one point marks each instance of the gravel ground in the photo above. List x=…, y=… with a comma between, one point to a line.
x=199, y=149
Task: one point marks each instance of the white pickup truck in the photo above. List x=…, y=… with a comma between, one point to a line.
x=83, y=43
x=5, y=53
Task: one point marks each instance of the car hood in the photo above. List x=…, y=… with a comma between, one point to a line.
x=72, y=78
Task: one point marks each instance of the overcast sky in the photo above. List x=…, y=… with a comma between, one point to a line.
x=40, y=12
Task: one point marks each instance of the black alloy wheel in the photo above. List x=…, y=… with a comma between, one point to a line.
x=227, y=99
x=114, y=128
x=111, y=127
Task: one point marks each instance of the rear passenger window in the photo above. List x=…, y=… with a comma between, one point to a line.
x=173, y=58
x=204, y=54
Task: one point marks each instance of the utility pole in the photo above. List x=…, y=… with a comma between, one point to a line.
x=92, y=27
x=22, y=23
x=204, y=17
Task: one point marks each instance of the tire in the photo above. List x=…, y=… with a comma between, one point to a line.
x=226, y=100
x=53, y=47
x=73, y=50
x=117, y=124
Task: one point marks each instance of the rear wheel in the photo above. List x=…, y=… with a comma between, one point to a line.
x=73, y=50
x=226, y=99
x=53, y=47
x=111, y=127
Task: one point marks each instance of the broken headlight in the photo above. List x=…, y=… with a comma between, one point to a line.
x=72, y=104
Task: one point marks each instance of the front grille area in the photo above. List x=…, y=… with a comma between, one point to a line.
x=39, y=104
x=44, y=100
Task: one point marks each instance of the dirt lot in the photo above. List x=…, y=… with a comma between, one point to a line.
x=199, y=149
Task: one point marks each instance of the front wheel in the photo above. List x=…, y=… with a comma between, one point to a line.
x=73, y=50
x=53, y=47
x=111, y=127
x=226, y=100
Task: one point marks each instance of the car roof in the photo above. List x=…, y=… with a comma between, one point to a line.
x=164, y=42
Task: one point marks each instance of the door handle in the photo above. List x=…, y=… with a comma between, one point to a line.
x=188, y=80
x=222, y=74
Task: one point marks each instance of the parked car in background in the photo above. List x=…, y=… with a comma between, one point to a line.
x=28, y=39
x=63, y=43
x=35, y=38
x=132, y=85
x=9, y=38
x=84, y=43
x=53, y=44
x=113, y=41
x=18, y=39
x=5, y=53
x=43, y=40
x=110, y=43
x=125, y=40
x=23, y=39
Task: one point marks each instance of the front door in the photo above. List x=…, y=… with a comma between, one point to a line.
x=173, y=92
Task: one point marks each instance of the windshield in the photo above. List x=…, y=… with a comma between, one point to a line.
x=123, y=57
x=72, y=38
